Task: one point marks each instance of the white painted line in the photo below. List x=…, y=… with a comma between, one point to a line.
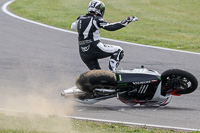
x=4, y=9
x=131, y=123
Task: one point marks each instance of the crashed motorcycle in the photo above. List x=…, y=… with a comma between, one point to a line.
x=138, y=86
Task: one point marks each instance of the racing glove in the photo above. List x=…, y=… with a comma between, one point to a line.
x=128, y=20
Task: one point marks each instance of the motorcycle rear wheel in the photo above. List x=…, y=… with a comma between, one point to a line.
x=179, y=81
x=96, y=79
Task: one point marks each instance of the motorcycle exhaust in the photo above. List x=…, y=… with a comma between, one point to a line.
x=74, y=91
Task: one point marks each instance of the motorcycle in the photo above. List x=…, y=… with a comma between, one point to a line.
x=137, y=86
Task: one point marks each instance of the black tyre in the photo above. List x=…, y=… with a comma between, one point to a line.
x=96, y=78
x=178, y=81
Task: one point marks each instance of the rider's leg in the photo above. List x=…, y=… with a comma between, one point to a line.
x=116, y=53
x=89, y=57
x=115, y=59
x=93, y=65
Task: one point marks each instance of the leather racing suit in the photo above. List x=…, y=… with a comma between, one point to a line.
x=90, y=47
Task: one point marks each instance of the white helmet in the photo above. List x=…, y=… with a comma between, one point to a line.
x=97, y=7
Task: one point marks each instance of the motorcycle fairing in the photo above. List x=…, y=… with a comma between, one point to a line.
x=137, y=76
x=145, y=81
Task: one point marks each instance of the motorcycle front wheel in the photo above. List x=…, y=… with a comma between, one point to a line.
x=178, y=81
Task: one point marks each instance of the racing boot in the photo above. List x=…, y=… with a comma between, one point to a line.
x=113, y=64
x=115, y=59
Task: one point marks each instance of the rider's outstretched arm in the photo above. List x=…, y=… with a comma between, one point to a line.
x=115, y=26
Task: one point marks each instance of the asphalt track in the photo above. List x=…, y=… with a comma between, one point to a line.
x=35, y=58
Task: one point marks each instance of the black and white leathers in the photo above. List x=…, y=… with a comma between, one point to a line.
x=90, y=47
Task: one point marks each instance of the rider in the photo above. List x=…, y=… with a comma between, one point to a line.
x=90, y=47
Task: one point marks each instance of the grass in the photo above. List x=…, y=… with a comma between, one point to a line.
x=165, y=23
x=32, y=123
x=21, y=123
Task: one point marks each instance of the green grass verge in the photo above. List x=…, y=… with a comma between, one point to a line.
x=32, y=123
x=20, y=123
x=165, y=23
